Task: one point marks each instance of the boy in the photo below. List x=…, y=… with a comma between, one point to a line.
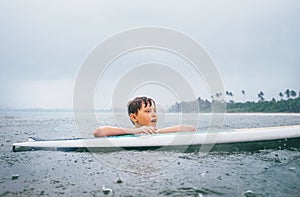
x=142, y=113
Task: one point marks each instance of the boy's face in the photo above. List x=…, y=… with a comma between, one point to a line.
x=146, y=116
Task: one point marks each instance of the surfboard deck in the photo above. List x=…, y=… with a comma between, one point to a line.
x=223, y=140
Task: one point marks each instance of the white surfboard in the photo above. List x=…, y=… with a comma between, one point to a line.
x=252, y=138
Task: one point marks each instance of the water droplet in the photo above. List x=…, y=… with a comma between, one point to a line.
x=119, y=181
x=15, y=176
x=106, y=190
x=292, y=169
x=249, y=193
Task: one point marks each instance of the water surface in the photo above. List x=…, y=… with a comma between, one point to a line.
x=142, y=173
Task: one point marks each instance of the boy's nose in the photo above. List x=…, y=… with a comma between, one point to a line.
x=153, y=113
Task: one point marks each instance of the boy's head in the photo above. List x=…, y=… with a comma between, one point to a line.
x=142, y=111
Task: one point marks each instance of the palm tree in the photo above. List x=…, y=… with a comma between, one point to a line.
x=243, y=93
x=261, y=96
x=273, y=100
x=281, y=95
x=293, y=93
x=231, y=95
x=288, y=93
x=227, y=93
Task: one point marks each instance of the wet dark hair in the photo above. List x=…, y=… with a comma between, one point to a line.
x=136, y=104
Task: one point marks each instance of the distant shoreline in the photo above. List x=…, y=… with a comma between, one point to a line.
x=273, y=106
x=288, y=106
x=202, y=113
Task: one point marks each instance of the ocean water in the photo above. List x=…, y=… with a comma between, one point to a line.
x=141, y=173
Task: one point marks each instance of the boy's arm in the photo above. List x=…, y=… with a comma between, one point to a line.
x=110, y=131
x=178, y=128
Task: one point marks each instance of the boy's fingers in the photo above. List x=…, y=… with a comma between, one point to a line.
x=150, y=130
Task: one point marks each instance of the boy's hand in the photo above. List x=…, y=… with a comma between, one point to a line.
x=145, y=130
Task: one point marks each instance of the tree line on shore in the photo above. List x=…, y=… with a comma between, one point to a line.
x=289, y=103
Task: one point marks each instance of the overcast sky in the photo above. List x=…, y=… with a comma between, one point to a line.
x=255, y=45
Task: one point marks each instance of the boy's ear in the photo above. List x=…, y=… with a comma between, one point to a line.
x=133, y=117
